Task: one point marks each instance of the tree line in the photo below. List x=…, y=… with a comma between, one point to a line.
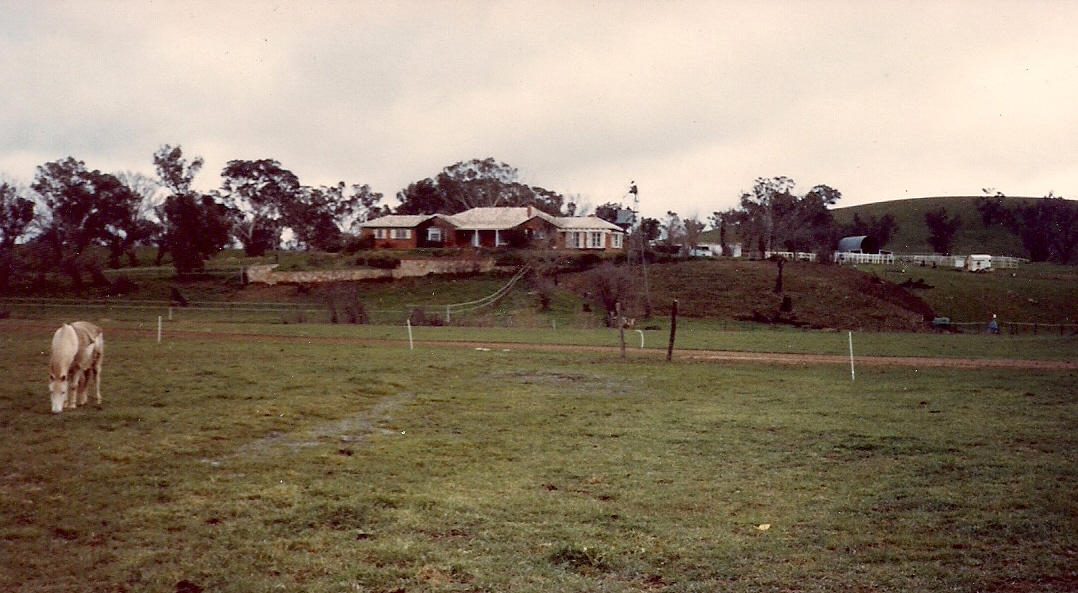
x=769, y=217
x=260, y=206
x=774, y=217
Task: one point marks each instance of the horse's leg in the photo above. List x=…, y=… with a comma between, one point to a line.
x=83, y=386
x=97, y=374
x=72, y=390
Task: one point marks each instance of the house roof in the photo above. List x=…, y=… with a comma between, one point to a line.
x=586, y=223
x=494, y=218
x=486, y=219
x=396, y=221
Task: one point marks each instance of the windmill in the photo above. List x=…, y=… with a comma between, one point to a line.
x=640, y=233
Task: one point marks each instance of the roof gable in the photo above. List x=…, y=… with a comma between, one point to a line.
x=494, y=219
x=395, y=221
x=401, y=221
x=588, y=223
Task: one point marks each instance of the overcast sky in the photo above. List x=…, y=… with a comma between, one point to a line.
x=692, y=100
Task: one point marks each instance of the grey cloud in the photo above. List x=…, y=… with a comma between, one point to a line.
x=693, y=100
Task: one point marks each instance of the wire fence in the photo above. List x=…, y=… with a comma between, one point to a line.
x=269, y=312
x=487, y=301
x=1013, y=328
x=479, y=313
x=133, y=310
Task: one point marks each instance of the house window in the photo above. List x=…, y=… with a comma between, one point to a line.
x=434, y=234
x=402, y=234
x=596, y=240
x=379, y=233
x=616, y=240
x=578, y=240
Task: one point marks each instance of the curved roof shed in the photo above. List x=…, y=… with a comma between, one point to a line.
x=862, y=244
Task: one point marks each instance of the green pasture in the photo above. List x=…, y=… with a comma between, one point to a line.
x=268, y=460
x=691, y=335
x=1043, y=293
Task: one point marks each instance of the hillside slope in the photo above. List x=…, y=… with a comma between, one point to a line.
x=820, y=296
x=912, y=234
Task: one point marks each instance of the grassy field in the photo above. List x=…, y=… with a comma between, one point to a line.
x=261, y=462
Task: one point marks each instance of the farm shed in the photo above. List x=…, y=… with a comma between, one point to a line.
x=862, y=244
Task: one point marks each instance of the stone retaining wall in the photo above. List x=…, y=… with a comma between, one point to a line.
x=265, y=274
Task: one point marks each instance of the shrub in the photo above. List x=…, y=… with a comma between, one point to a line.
x=356, y=244
x=381, y=262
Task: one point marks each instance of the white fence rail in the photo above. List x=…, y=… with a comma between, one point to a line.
x=948, y=261
x=845, y=257
x=791, y=255
x=943, y=261
x=1002, y=261
x=458, y=308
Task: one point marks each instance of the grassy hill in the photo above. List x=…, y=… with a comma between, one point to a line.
x=820, y=296
x=912, y=234
x=724, y=291
x=866, y=297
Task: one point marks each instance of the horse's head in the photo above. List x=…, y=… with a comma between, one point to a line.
x=65, y=347
x=58, y=386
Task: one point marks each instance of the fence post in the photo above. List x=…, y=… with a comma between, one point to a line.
x=621, y=327
x=852, y=375
x=673, y=331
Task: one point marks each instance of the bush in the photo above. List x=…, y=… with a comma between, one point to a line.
x=381, y=262
x=345, y=306
x=123, y=285
x=356, y=244
x=418, y=316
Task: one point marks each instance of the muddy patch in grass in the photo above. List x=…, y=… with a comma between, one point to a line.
x=568, y=382
x=353, y=429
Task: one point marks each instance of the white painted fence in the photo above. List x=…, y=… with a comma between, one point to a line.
x=949, y=261
x=957, y=261
x=846, y=257
x=790, y=255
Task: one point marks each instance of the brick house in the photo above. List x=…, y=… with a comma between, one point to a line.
x=494, y=228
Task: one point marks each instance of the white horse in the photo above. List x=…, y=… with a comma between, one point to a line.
x=77, y=350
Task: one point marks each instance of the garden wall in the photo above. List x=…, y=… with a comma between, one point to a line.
x=265, y=274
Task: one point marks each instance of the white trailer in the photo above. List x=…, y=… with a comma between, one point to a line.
x=979, y=262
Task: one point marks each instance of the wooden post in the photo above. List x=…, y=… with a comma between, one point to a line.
x=621, y=327
x=673, y=331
